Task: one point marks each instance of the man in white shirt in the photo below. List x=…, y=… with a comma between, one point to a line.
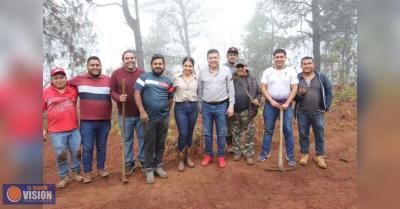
x=279, y=87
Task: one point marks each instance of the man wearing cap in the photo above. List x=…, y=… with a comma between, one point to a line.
x=130, y=73
x=231, y=57
x=247, y=100
x=279, y=87
x=216, y=100
x=95, y=115
x=59, y=103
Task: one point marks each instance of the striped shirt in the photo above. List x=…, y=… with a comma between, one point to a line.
x=94, y=95
x=156, y=92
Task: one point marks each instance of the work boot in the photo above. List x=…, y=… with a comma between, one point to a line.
x=103, y=173
x=161, y=172
x=249, y=161
x=189, y=162
x=149, y=172
x=62, y=183
x=181, y=164
x=321, y=161
x=77, y=176
x=87, y=177
x=304, y=159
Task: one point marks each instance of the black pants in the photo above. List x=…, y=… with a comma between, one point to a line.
x=154, y=134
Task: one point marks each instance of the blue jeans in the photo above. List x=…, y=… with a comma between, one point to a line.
x=132, y=123
x=304, y=121
x=64, y=142
x=94, y=131
x=185, y=117
x=217, y=114
x=270, y=116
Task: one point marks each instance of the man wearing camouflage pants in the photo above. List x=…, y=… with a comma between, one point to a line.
x=247, y=97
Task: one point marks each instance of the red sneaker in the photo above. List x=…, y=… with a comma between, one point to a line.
x=207, y=160
x=221, y=162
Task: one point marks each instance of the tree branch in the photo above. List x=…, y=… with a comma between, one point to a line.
x=106, y=5
x=307, y=33
x=51, y=35
x=297, y=2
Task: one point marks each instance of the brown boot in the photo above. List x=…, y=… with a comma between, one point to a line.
x=103, y=173
x=320, y=160
x=64, y=181
x=181, y=164
x=304, y=159
x=87, y=177
x=188, y=153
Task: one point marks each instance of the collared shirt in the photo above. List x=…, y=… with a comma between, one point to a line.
x=185, y=91
x=94, y=96
x=279, y=82
x=61, y=108
x=218, y=87
x=156, y=90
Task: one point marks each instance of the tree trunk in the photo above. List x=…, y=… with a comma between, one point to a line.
x=185, y=27
x=347, y=58
x=134, y=24
x=316, y=36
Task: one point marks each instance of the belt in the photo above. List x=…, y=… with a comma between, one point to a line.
x=185, y=102
x=216, y=103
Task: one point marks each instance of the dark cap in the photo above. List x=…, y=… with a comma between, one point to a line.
x=233, y=50
x=240, y=62
x=56, y=70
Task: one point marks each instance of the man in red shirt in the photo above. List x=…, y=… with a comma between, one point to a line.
x=130, y=73
x=59, y=103
x=95, y=115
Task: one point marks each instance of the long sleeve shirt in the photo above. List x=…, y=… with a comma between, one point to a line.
x=218, y=87
x=116, y=89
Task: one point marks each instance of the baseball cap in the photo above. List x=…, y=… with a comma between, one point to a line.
x=240, y=62
x=56, y=70
x=233, y=50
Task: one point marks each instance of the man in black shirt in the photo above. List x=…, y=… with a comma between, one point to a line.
x=312, y=101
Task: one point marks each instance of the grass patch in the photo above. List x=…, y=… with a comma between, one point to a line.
x=344, y=94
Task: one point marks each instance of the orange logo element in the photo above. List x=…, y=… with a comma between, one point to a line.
x=14, y=194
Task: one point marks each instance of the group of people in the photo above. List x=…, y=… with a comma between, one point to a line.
x=226, y=95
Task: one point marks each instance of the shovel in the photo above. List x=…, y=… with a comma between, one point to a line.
x=280, y=167
x=123, y=176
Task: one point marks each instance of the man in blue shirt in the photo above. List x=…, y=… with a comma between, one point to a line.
x=153, y=97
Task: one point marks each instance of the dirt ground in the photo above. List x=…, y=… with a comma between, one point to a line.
x=236, y=186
